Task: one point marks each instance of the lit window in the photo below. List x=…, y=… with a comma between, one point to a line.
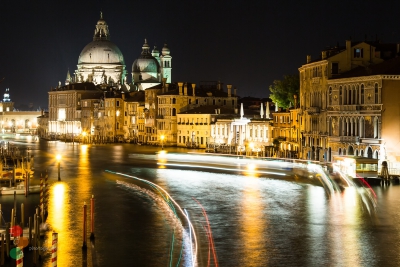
x=358, y=52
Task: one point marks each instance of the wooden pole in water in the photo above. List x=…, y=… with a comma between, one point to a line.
x=8, y=239
x=26, y=185
x=15, y=202
x=1, y=214
x=38, y=239
x=54, y=250
x=12, y=217
x=92, y=218
x=19, y=261
x=84, y=226
x=34, y=238
x=30, y=231
x=22, y=215
x=2, y=250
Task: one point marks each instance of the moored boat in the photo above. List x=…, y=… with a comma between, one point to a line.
x=19, y=190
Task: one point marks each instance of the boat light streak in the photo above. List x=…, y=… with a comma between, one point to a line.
x=218, y=168
x=170, y=198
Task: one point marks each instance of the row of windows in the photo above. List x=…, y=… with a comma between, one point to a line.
x=353, y=95
x=282, y=119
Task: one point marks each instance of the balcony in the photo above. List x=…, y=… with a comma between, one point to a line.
x=313, y=110
x=350, y=139
x=160, y=117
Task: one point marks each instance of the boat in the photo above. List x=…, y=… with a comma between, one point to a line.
x=19, y=190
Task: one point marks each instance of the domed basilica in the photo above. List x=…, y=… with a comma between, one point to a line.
x=101, y=62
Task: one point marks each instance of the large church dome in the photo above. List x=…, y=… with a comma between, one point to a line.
x=101, y=61
x=101, y=51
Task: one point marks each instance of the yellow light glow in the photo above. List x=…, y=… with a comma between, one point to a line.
x=58, y=157
x=84, y=134
x=252, y=145
x=162, y=137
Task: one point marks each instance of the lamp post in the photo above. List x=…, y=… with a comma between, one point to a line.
x=83, y=137
x=58, y=157
x=162, y=141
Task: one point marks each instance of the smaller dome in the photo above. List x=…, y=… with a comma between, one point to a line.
x=155, y=50
x=146, y=64
x=165, y=50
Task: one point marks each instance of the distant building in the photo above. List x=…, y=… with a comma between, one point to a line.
x=13, y=121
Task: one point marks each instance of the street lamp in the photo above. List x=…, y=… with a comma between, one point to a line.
x=83, y=135
x=162, y=141
x=58, y=157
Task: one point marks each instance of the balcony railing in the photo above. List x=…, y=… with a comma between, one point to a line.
x=350, y=139
x=313, y=110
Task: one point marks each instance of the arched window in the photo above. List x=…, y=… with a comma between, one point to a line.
x=376, y=94
x=340, y=95
x=362, y=94
x=174, y=112
x=173, y=101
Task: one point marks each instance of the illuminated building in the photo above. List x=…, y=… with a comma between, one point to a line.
x=315, y=77
x=182, y=97
x=15, y=121
x=363, y=113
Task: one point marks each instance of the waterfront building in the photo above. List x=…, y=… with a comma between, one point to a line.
x=181, y=97
x=314, y=94
x=194, y=125
x=15, y=121
x=65, y=108
x=362, y=113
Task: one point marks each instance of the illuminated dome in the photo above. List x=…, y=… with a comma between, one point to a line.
x=101, y=51
x=101, y=61
x=146, y=62
x=146, y=69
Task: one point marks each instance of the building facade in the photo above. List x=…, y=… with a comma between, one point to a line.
x=315, y=95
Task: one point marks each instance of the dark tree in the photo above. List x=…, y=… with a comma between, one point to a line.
x=283, y=91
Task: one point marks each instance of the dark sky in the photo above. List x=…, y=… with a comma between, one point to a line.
x=248, y=44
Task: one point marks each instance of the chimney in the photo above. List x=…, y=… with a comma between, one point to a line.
x=308, y=59
x=216, y=111
x=295, y=101
x=219, y=111
x=194, y=89
x=180, y=88
x=166, y=87
x=229, y=86
x=234, y=92
x=185, y=89
x=219, y=85
x=123, y=96
x=348, y=44
x=323, y=54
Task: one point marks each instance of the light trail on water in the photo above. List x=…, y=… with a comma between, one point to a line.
x=194, y=256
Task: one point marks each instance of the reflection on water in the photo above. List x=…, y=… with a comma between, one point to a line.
x=253, y=223
x=60, y=221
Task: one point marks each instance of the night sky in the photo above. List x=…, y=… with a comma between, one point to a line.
x=248, y=44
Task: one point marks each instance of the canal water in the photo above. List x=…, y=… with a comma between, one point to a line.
x=250, y=219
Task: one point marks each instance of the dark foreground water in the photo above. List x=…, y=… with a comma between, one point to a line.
x=255, y=219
